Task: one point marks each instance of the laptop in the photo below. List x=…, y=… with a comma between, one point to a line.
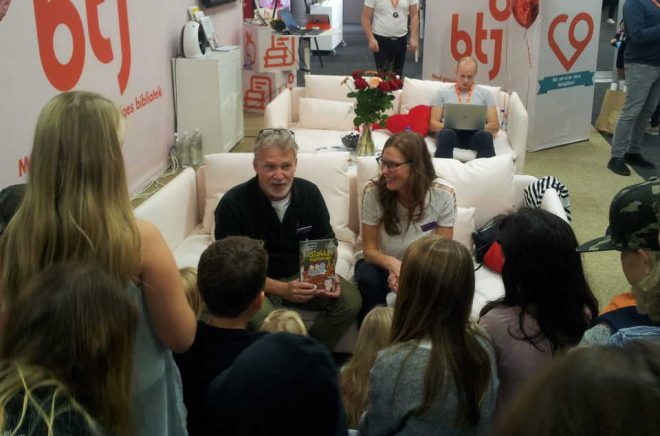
x=465, y=116
x=292, y=27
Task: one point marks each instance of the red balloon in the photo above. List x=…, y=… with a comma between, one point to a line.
x=525, y=12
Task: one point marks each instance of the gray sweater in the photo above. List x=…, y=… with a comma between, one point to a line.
x=391, y=403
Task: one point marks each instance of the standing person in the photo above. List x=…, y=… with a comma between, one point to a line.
x=464, y=91
x=385, y=24
x=230, y=276
x=76, y=208
x=547, y=303
x=439, y=375
x=406, y=202
x=642, y=65
x=281, y=210
x=67, y=354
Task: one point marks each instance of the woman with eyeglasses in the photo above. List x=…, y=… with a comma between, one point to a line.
x=405, y=202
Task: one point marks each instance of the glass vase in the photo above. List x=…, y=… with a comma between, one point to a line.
x=365, y=146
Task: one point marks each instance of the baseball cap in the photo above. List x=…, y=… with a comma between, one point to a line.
x=633, y=220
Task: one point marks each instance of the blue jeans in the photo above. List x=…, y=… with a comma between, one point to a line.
x=641, y=100
x=479, y=140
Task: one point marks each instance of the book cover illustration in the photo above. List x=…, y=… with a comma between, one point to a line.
x=317, y=263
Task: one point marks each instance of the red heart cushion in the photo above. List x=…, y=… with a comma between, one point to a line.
x=417, y=120
x=493, y=258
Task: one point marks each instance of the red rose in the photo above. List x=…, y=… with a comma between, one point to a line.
x=360, y=83
x=356, y=74
x=384, y=86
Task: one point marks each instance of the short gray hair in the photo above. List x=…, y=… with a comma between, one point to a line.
x=283, y=139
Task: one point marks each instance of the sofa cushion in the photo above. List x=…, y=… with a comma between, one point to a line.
x=327, y=87
x=416, y=92
x=464, y=226
x=317, y=113
x=208, y=220
x=326, y=170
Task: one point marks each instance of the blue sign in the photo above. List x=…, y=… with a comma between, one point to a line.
x=551, y=83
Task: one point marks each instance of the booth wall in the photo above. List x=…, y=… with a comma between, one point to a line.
x=119, y=48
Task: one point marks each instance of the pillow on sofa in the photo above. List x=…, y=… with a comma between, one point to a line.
x=464, y=226
x=485, y=184
x=417, y=119
x=418, y=92
x=208, y=220
x=326, y=87
x=326, y=114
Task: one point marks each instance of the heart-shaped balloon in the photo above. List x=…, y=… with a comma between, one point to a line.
x=4, y=7
x=525, y=12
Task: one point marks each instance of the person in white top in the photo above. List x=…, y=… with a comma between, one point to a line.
x=406, y=202
x=464, y=91
x=385, y=24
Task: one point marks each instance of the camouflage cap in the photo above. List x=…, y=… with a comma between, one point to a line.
x=633, y=220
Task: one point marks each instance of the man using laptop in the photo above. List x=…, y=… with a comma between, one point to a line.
x=465, y=91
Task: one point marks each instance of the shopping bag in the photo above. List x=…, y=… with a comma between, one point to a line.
x=609, y=111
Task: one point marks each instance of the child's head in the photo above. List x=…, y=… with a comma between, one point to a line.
x=284, y=320
x=189, y=279
x=231, y=276
x=375, y=331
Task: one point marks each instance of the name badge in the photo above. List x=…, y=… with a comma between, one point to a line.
x=429, y=226
x=302, y=231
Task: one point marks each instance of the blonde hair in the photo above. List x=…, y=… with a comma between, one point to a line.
x=76, y=205
x=72, y=330
x=284, y=320
x=374, y=335
x=189, y=279
x=647, y=292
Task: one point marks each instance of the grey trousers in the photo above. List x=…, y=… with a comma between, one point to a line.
x=641, y=100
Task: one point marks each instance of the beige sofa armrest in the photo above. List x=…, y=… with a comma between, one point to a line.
x=516, y=129
x=278, y=111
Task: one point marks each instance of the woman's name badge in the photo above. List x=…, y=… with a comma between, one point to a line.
x=429, y=226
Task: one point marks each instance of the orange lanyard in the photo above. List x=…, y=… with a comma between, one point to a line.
x=459, y=96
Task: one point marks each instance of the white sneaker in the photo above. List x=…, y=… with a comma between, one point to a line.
x=655, y=131
x=610, y=21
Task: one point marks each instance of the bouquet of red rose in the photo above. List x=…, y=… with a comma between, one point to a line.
x=373, y=95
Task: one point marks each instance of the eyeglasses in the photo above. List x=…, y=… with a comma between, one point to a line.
x=392, y=166
x=284, y=133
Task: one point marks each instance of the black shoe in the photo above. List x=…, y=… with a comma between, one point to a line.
x=637, y=159
x=618, y=166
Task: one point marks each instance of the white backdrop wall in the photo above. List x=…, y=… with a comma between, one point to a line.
x=119, y=48
x=545, y=50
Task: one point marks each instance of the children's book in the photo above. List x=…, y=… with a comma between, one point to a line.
x=317, y=263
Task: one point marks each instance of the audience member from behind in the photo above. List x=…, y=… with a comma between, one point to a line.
x=439, y=374
x=406, y=202
x=547, y=303
x=66, y=353
x=284, y=384
x=77, y=208
x=375, y=334
x=189, y=278
x=633, y=231
x=604, y=391
x=284, y=320
x=10, y=199
x=231, y=276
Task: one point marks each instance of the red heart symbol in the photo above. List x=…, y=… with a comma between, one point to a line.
x=525, y=12
x=579, y=46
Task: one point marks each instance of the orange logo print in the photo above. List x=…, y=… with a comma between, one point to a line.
x=281, y=53
x=258, y=93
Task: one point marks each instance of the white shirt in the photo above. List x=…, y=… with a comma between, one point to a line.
x=439, y=211
x=281, y=206
x=384, y=23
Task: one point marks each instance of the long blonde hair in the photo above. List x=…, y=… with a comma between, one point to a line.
x=72, y=330
x=374, y=335
x=76, y=205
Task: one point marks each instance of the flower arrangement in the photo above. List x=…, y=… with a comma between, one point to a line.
x=373, y=94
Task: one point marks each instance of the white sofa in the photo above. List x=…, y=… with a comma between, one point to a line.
x=320, y=113
x=183, y=208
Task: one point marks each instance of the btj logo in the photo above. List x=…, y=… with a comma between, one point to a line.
x=49, y=14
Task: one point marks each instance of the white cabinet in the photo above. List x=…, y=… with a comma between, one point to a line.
x=335, y=10
x=209, y=98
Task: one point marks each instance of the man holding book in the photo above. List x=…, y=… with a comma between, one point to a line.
x=283, y=210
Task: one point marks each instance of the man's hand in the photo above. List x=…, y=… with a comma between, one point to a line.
x=373, y=45
x=299, y=292
x=333, y=293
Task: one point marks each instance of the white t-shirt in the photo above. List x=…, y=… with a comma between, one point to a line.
x=281, y=206
x=447, y=94
x=440, y=211
x=384, y=23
